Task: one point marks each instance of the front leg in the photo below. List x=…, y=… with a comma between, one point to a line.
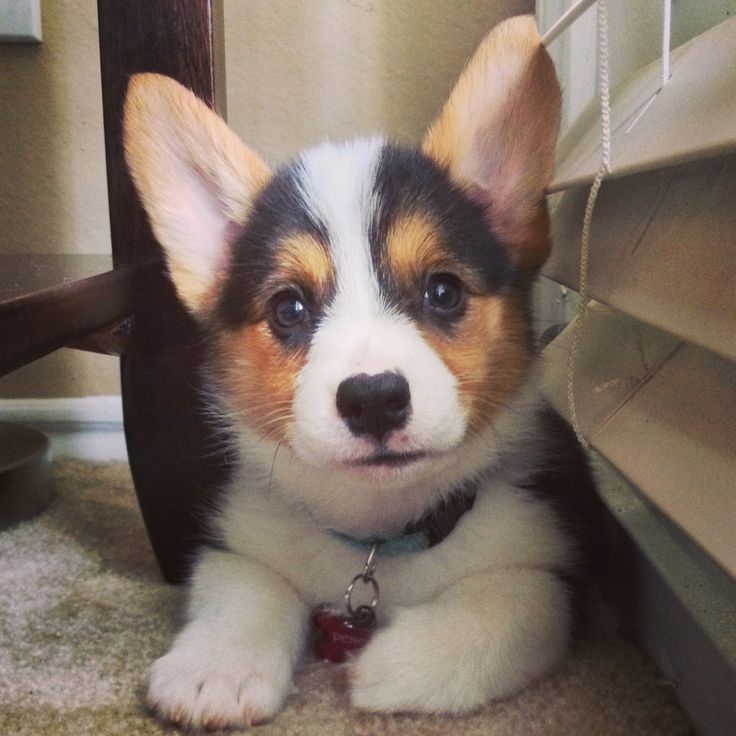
x=486, y=637
x=232, y=664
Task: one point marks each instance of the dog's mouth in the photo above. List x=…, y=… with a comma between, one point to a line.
x=391, y=459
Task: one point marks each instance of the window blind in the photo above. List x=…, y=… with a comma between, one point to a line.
x=655, y=125
x=655, y=378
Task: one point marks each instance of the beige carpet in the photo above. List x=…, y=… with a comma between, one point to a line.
x=83, y=612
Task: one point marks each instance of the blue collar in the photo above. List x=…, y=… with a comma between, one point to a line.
x=391, y=547
x=431, y=529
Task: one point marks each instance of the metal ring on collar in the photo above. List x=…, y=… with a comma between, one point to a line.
x=367, y=579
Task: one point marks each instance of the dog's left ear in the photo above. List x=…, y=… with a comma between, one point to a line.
x=497, y=135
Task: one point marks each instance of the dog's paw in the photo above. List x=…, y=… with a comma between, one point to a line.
x=466, y=647
x=415, y=666
x=198, y=690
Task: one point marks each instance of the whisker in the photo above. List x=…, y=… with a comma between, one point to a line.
x=273, y=464
x=275, y=414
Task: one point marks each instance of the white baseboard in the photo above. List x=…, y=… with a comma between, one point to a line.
x=89, y=427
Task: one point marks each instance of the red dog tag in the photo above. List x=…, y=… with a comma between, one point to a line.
x=339, y=635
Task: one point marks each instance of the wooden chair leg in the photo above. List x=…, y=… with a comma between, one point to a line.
x=173, y=453
x=176, y=457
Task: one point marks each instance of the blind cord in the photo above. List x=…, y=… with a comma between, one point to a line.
x=604, y=169
x=604, y=84
x=666, y=40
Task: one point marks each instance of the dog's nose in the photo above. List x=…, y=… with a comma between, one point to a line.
x=374, y=405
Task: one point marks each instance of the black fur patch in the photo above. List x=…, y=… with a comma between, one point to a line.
x=566, y=483
x=408, y=182
x=278, y=212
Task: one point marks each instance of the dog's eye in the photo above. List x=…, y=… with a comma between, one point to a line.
x=288, y=312
x=444, y=294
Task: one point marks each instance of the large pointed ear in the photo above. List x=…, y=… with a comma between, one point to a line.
x=194, y=177
x=497, y=135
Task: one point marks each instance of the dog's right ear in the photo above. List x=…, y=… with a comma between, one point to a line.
x=194, y=177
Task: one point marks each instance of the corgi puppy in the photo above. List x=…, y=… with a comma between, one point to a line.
x=368, y=306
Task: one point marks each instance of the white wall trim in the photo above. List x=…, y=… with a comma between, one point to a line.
x=88, y=427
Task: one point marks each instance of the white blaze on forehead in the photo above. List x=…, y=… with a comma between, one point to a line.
x=338, y=188
x=359, y=333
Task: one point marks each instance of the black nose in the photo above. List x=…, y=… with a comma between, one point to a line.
x=374, y=405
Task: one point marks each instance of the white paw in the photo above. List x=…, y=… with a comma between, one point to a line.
x=413, y=665
x=466, y=647
x=196, y=688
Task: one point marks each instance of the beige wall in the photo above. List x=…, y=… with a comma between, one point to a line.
x=297, y=71
x=53, y=196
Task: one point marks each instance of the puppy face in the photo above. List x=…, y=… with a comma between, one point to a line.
x=369, y=317
x=368, y=300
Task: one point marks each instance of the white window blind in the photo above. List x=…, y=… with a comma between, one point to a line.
x=655, y=378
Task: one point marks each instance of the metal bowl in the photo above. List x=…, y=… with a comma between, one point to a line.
x=25, y=473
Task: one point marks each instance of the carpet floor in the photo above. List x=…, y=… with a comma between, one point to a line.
x=83, y=612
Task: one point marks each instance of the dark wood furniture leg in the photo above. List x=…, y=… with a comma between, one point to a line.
x=174, y=456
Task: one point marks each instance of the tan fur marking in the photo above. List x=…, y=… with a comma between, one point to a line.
x=489, y=355
x=301, y=261
x=413, y=250
x=259, y=373
x=412, y=247
x=488, y=352
x=304, y=261
x=259, y=377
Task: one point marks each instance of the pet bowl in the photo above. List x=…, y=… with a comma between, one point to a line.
x=25, y=473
